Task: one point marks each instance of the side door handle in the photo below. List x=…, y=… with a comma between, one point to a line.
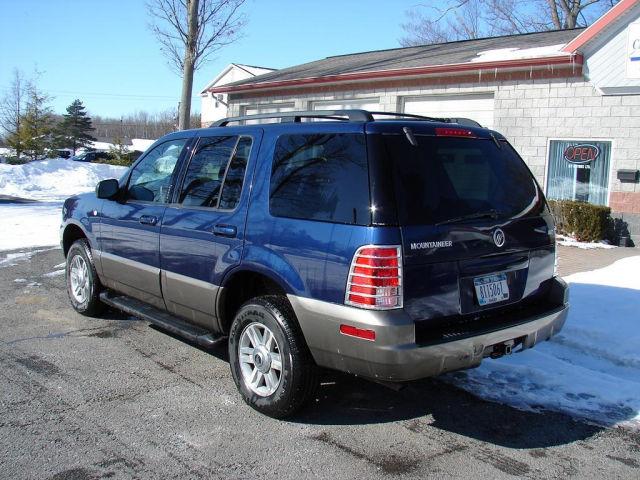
x=225, y=230
x=148, y=220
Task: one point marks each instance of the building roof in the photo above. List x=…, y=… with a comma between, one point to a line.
x=250, y=69
x=510, y=47
x=615, y=14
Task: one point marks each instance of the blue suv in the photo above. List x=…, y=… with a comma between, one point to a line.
x=393, y=249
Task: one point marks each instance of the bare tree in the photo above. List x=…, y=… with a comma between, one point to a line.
x=189, y=31
x=468, y=19
x=12, y=109
x=140, y=124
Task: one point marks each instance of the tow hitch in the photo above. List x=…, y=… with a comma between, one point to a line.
x=502, y=349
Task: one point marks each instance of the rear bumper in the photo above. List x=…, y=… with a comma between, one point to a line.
x=395, y=356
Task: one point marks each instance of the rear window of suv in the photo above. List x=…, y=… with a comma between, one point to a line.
x=321, y=177
x=445, y=178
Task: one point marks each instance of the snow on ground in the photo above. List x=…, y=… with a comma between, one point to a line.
x=55, y=179
x=519, y=53
x=11, y=259
x=591, y=369
x=27, y=225
x=30, y=225
x=572, y=242
x=141, y=144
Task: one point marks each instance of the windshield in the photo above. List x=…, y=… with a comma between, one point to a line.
x=451, y=180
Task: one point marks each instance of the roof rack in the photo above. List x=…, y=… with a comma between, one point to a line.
x=351, y=115
x=344, y=115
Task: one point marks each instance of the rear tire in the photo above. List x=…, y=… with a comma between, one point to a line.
x=270, y=361
x=83, y=284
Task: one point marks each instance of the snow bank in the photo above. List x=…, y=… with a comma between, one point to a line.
x=519, y=53
x=53, y=180
x=50, y=181
x=572, y=242
x=29, y=225
x=591, y=369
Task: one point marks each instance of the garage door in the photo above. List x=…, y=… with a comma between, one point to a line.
x=266, y=108
x=478, y=107
x=371, y=104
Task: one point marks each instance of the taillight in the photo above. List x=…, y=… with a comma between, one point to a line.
x=375, y=278
x=454, y=132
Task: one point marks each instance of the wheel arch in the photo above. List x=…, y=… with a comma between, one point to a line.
x=242, y=285
x=71, y=233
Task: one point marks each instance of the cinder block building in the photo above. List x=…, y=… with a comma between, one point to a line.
x=569, y=101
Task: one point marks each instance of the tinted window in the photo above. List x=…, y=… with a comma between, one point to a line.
x=234, y=176
x=321, y=177
x=150, y=180
x=202, y=183
x=445, y=178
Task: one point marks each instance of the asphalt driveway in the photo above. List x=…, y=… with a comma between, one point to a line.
x=115, y=398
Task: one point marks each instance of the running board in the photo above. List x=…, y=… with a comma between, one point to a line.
x=162, y=319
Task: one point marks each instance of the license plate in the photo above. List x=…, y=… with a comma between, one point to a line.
x=491, y=289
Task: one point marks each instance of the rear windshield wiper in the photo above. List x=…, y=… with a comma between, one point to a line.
x=472, y=216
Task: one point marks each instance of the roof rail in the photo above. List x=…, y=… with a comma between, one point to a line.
x=410, y=116
x=345, y=115
x=351, y=115
x=460, y=121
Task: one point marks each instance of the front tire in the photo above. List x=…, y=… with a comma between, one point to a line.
x=83, y=284
x=270, y=361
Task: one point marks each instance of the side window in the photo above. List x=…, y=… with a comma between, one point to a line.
x=150, y=180
x=234, y=176
x=203, y=181
x=321, y=177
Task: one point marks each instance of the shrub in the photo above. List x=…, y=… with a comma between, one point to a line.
x=123, y=160
x=583, y=221
x=17, y=160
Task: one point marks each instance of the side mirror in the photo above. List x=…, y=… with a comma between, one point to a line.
x=107, y=188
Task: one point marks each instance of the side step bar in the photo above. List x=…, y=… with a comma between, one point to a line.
x=162, y=319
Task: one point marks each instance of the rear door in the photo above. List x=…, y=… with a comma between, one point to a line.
x=202, y=234
x=476, y=232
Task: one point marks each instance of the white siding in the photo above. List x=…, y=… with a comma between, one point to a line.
x=606, y=61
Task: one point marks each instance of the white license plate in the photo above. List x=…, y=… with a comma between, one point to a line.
x=491, y=289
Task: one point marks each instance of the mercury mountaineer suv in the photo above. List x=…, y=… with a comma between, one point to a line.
x=392, y=249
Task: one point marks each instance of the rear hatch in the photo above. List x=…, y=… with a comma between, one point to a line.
x=477, y=236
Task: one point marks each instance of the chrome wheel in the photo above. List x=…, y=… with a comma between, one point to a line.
x=260, y=360
x=79, y=279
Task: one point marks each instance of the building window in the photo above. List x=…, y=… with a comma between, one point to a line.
x=579, y=170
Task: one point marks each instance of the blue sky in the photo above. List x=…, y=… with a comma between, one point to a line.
x=102, y=52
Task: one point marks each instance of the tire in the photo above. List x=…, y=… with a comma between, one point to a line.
x=298, y=376
x=84, y=291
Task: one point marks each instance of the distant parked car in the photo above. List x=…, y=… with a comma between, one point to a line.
x=91, y=156
x=63, y=153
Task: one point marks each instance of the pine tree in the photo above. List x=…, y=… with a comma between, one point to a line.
x=37, y=124
x=76, y=127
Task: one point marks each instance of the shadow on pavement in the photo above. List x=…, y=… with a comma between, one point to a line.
x=430, y=403
x=344, y=399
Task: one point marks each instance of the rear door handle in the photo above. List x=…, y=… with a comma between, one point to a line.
x=148, y=220
x=225, y=230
